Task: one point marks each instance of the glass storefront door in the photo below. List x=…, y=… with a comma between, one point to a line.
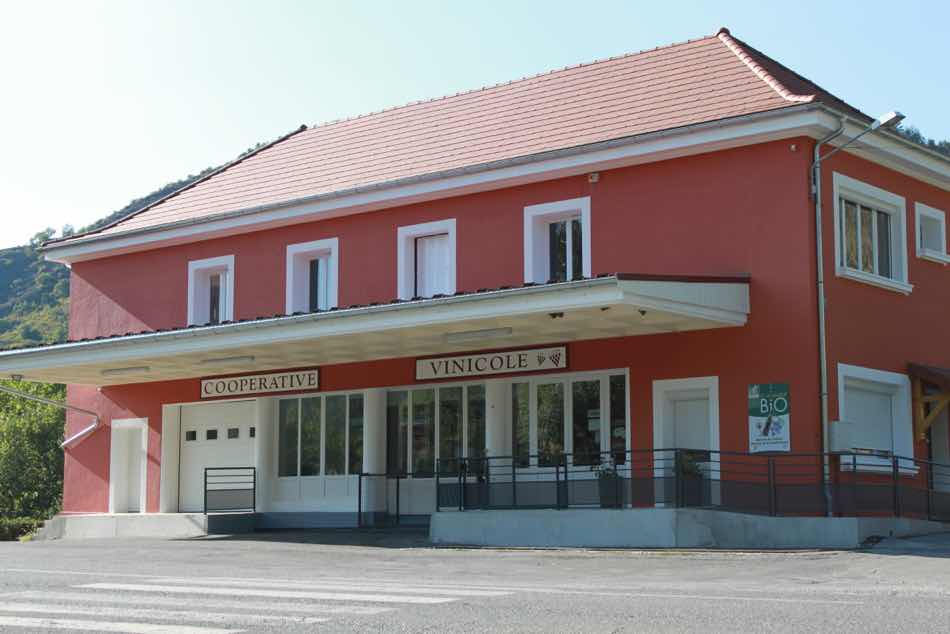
x=583, y=417
x=433, y=426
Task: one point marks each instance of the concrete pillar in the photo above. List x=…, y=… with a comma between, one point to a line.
x=374, y=431
x=374, y=449
x=265, y=444
x=497, y=420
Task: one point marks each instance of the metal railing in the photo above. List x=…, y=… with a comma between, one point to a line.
x=378, y=499
x=230, y=490
x=789, y=484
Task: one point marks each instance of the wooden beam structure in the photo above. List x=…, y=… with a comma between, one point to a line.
x=928, y=404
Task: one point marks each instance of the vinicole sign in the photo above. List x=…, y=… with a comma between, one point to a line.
x=260, y=384
x=492, y=363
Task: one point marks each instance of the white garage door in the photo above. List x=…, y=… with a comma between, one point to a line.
x=213, y=435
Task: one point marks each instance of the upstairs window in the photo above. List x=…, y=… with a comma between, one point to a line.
x=312, y=275
x=932, y=234
x=866, y=244
x=870, y=235
x=211, y=290
x=426, y=259
x=557, y=241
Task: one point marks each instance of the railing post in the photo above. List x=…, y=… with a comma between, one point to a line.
x=772, y=501
x=929, y=483
x=557, y=484
x=486, y=476
x=514, y=487
x=895, y=477
x=254, y=489
x=398, y=506
x=854, y=484
x=206, y=491
x=438, y=467
x=677, y=480
x=567, y=494
x=461, y=477
x=359, y=499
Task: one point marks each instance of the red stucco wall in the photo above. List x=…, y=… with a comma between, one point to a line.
x=735, y=211
x=878, y=328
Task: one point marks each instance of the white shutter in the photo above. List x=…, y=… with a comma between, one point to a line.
x=432, y=265
x=871, y=414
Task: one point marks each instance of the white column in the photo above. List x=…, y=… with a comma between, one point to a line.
x=171, y=433
x=497, y=423
x=265, y=442
x=374, y=449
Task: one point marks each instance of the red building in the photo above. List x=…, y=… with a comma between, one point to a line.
x=605, y=260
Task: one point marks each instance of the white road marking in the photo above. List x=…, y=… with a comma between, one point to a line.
x=161, y=615
x=106, y=626
x=76, y=598
x=339, y=585
x=262, y=592
x=703, y=597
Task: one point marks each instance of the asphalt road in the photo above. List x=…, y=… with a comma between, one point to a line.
x=394, y=582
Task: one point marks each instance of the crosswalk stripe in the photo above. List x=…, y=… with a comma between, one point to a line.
x=263, y=592
x=196, y=603
x=161, y=615
x=106, y=626
x=316, y=585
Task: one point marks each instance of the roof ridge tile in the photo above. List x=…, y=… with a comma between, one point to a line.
x=733, y=45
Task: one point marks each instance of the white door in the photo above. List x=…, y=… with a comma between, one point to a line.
x=127, y=466
x=213, y=435
x=691, y=423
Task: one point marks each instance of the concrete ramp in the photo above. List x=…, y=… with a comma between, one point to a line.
x=157, y=525
x=664, y=528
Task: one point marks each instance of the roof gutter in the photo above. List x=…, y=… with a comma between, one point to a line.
x=75, y=438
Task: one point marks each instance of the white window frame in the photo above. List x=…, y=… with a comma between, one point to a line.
x=198, y=272
x=406, y=254
x=299, y=257
x=902, y=429
x=924, y=211
x=536, y=221
x=883, y=200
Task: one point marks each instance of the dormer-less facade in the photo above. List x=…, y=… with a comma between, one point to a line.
x=603, y=260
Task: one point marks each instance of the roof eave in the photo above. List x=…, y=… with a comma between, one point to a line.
x=649, y=147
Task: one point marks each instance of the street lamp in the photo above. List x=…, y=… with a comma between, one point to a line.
x=884, y=122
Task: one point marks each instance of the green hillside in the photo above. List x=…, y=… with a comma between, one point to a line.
x=34, y=293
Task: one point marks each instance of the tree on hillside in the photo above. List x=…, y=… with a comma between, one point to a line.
x=31, y=461
x=913, y=134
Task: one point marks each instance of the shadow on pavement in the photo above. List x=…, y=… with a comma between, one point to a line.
x=402, y=537
x=935, y=546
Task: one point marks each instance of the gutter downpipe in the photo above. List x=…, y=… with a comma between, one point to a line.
x=39, y=399
x=822, y=334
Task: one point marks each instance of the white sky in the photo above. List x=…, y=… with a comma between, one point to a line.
x=102, y=102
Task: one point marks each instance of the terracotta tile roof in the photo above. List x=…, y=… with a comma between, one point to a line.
x=708, y=79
